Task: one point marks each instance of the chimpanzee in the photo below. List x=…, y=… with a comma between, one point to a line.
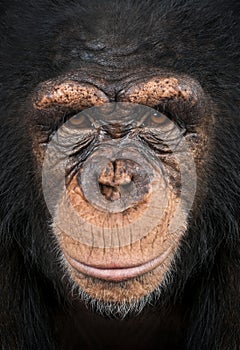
x=120, y=174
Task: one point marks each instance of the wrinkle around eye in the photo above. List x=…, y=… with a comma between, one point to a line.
x=155, y=143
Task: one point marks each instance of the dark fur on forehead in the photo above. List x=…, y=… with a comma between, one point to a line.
x=157, y=29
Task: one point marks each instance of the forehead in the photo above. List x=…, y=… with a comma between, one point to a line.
x=113, y=34
x=114, y=37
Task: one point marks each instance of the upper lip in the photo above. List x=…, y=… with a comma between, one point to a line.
x=117, y=273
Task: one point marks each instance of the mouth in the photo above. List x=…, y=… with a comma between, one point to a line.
x=114, y=272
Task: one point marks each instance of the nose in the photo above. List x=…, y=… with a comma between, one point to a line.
x=117, y=177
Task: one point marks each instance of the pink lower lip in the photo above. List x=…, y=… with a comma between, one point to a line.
x=117, y=274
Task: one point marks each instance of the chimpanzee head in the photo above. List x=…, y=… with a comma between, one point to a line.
x=119, y=131
x=119, y=178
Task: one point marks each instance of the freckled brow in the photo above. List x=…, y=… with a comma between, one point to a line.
x=69, y=94
x=157, y=89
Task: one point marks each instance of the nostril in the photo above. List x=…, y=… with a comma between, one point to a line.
x=124, y=171
x=118, y=172
x=106, y=176
x=110, y=193
x=115, y=178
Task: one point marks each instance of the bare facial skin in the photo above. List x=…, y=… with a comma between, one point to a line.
x=122, y=214
x=70, y=94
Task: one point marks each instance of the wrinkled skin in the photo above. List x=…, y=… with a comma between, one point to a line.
x=141, y=249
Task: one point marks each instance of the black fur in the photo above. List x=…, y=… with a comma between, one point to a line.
x=200, y=308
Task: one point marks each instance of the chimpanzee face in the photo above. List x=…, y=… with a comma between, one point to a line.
x=119, y=178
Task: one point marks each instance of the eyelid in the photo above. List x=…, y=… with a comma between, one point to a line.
x=172, y=115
